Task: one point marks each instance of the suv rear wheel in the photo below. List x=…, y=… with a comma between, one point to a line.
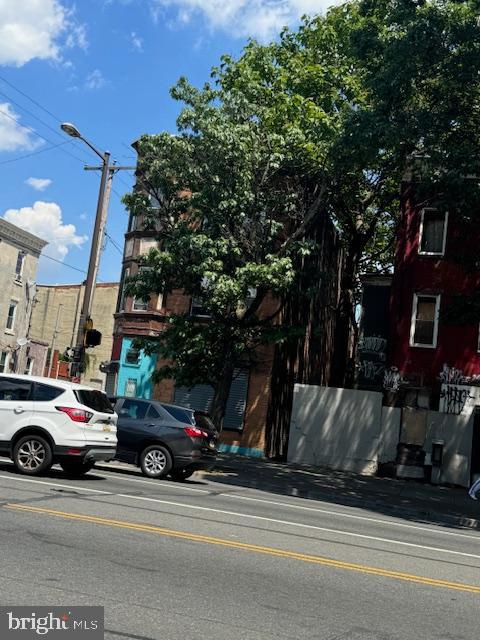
x=155, y=461
x=74, y=467
x=32, y=455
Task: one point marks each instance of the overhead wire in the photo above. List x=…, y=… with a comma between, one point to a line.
x=34, y=153
x=52, y=146
x=40, y=106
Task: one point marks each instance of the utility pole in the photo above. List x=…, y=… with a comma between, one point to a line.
x=108, y=171
x=54, y=339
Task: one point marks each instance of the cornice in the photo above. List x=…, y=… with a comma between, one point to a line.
x=12, y=233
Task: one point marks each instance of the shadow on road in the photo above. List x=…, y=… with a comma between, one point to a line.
x=410, y=500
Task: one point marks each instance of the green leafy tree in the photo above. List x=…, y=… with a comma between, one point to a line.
x=326, y=121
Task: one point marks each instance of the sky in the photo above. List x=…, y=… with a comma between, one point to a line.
x=106, y=66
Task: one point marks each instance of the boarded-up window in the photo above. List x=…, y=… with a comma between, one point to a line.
x=434, y=228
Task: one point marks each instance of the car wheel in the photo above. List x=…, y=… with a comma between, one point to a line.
x=74, y=467
x=32, y=455
x=181, y=474
x=155, y=461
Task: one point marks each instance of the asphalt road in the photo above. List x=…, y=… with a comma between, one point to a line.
x=197, y=560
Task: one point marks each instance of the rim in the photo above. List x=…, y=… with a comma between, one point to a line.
x=31, y=455
x=155, y=462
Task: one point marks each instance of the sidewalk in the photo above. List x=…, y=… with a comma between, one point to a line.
x=407, y=499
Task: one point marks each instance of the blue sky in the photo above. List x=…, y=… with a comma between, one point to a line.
x=107, y=66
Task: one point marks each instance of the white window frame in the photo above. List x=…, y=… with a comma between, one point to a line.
x=142, y=302
x=6, y=361
x=420, y=238
x=29, y=362
x=478, y=339
x=123, y=297
x=437, y=298
x=18, y=274
x=129, y=384
x=14, y=317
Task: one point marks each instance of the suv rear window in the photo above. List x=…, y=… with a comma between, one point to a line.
x=182, y=415
x=95, y=400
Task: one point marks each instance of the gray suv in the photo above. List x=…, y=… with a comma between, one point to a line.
x=163, y=439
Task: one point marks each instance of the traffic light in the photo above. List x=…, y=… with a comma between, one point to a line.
x=92, y=338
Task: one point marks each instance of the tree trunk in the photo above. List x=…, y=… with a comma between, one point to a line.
x=343, y=368
x=222, y=391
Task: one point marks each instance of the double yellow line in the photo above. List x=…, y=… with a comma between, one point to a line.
x=271, y=551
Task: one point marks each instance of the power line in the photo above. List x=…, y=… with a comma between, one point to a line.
x=40, y=106
x=65, y=264
x=113, y=243
x=31, y=99
x=34, y=153
x=57, y=133
x=39, y=135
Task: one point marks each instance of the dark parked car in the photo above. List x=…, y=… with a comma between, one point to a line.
x=163, y=439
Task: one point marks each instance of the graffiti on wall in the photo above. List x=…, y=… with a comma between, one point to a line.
x=392, y=379
x=457, y=399
x=372, y=351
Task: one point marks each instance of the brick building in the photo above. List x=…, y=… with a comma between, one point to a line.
x=63, y=303
x=258, y=409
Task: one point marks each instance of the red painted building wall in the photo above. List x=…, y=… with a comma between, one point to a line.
x=457, y=344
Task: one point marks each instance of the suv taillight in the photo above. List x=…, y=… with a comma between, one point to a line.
x=195, y=432
x=77, y=415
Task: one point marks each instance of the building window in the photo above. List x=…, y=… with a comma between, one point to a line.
x=19, y=265
x=146, y=244
x=197, y=307
x=12, y=310
x=126, y=275
x=433, y=232
x=424, y=327
x=4, y=362
x=132, y=222
x=139, y=304
x=29, y=366
x=131, y=388
x=132, y=357
x=128, y=247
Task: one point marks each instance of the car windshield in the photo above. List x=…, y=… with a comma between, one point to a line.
x=182, y=415
x=94, y=399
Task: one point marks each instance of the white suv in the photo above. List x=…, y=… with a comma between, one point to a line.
x=43, y=421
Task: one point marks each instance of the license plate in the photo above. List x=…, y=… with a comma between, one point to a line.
x=106, y=427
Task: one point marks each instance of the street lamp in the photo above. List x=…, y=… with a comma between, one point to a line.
x=96, y=247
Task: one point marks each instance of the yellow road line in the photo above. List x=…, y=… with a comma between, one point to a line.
x=193, y=537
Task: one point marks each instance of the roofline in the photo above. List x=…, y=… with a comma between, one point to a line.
x=20, y=236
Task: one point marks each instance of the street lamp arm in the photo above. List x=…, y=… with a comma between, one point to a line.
x=99, y=154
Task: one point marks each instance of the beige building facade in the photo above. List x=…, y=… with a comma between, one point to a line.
x=19, y=254
x=55, y=320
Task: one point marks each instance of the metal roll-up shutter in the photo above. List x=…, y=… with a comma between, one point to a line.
x=200, y=397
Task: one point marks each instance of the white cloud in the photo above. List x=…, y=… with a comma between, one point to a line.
x=12, y=135
x=262, y=19
x=32, y=29
x=137, y=42
x=95, y=80
x=39, y=184
x=44, y=219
